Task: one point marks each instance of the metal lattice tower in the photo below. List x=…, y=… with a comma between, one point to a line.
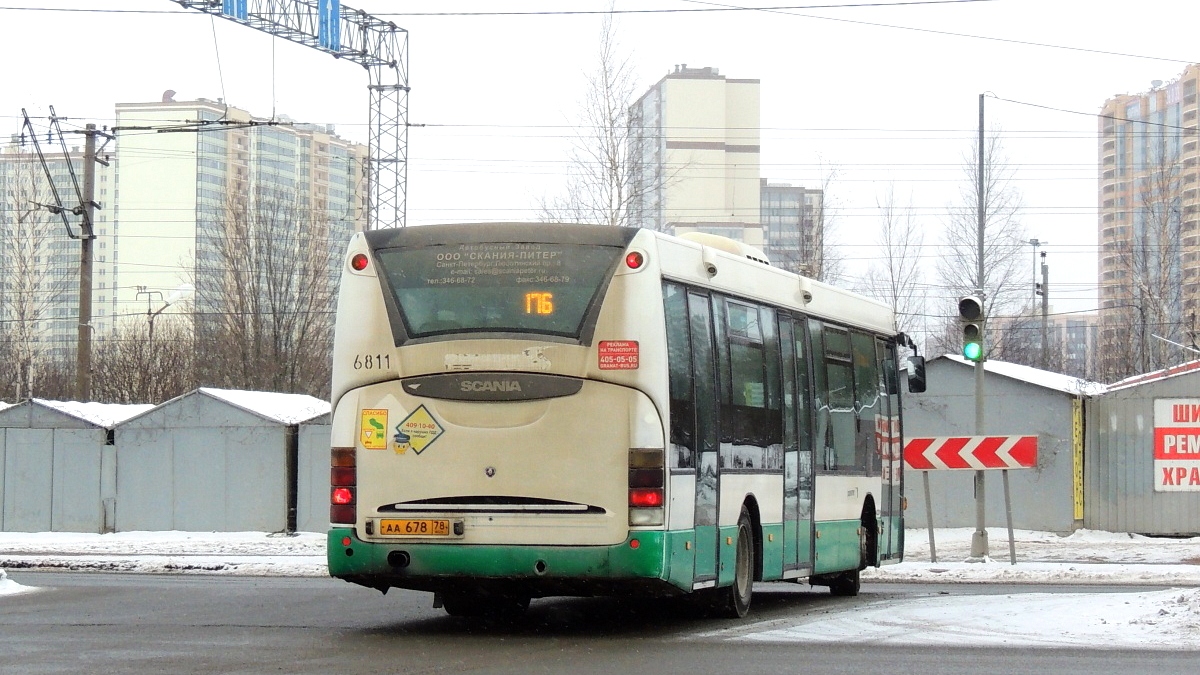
x=377, y=45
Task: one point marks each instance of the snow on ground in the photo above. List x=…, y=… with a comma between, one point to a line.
x=1154, y=618
x=246, y=553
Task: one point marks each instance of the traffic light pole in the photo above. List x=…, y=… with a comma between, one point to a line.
x=979, y=541
x=83, y=352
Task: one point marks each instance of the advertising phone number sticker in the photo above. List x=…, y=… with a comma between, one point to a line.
x=618, y=355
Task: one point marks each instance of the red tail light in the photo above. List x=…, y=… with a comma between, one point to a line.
x=647, y=487
x=359, y=261
x=343, y=481
x=634, y=260
x=646, y=498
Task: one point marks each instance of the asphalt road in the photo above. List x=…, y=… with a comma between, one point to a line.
x=114, y=623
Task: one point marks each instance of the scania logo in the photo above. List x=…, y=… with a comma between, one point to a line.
x=490, y=385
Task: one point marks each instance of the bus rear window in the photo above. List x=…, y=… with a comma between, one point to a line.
x=501, y=287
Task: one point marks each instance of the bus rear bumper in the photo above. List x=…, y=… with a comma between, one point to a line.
x=641, y=564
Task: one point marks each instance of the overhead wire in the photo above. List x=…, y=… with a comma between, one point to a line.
x=784, y=10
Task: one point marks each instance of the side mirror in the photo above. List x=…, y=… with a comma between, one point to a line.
x=915, y=369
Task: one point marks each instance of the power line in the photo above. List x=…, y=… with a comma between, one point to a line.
x=1027, y=43
x=576, y=12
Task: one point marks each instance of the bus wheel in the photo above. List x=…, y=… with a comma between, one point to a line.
x=845, y=584
x=484, y=604
x=733, y=601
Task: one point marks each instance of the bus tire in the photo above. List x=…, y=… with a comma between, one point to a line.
x=846, y=584
x=733, y=601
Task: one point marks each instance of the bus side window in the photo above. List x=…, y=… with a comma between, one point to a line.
x=804, y=406
x=866, y=398
x=679, y=368
x=751, y=426
x=774, y=416
x=723, y=381
x=822, y=422
x=842, y=420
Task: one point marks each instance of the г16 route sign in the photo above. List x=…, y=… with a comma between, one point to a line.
x=971, y=452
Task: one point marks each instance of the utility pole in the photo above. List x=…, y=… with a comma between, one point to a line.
x=979, y=540
x=86, y=210
x=83, y=356
x=1045, y=313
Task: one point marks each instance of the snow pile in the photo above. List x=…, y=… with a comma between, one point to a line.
x=10, y=587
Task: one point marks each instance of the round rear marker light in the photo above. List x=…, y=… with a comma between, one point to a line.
x=345, y=541
x=634, y=543
x=634, y=260
x=359, y=262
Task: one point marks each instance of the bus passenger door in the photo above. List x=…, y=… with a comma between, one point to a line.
x=797, y=444
x=887, y=434
x=704, y=371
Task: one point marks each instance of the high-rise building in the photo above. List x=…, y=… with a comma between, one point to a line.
x=186, y=185
x=793, y=226
x=188, y=173
x=694, y=153
x=39, y=258
x=1149, y=225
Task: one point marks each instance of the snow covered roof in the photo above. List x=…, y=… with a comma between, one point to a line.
x=1042, y=378
x=1165, y=373
x=101, y=414
x=283, y=408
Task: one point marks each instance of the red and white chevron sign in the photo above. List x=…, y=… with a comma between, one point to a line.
x=971, y=452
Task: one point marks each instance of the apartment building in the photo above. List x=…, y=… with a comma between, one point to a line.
x=694, y=152
x=793, y=222
x=1149, y=227
x=185, y=170
x=39, y=256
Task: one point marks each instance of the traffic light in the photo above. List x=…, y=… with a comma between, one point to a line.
x=970, y=316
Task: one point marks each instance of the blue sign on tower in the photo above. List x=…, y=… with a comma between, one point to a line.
x=329, y=28
x=235, y=8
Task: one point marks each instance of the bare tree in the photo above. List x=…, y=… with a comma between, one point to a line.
x=144, y=362
x=30, y=240
x=896, y=279
x=1003, y=287
x=265, y=292
x=828, y=261
x=599, y=185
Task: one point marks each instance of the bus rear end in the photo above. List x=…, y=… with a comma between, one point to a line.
x=494, y=435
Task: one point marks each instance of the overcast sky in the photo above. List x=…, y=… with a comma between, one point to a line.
x=883, y=95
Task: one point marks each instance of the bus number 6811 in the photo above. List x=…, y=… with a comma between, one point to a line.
x=373, y=362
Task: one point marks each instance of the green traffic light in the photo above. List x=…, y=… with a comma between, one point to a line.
x=972, y=351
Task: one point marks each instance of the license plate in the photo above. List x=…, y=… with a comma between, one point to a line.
x=415, y=528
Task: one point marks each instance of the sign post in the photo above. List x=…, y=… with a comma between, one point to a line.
x=981, y=453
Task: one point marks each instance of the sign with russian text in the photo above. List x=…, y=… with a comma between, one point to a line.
x=1177, y=445
x=618, y=355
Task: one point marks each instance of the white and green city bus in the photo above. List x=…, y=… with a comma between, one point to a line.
x=530, y=410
